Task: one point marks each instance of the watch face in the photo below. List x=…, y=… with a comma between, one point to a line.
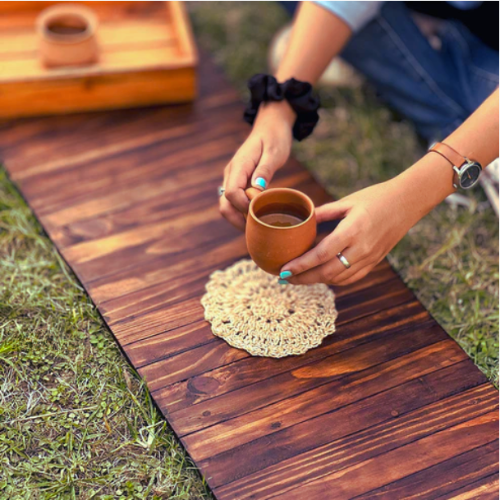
x=469, y=175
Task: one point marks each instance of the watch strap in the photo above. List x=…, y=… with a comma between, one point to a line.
x=448, y=153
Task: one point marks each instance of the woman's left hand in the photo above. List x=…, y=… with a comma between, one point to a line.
x=374, y=220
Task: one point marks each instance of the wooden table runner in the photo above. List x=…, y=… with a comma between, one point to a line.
x=388, y=407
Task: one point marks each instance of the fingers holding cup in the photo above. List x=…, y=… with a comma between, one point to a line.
x=331, y=272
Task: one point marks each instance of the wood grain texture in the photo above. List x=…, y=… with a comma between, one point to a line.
x=147, y=56
x=388, y=407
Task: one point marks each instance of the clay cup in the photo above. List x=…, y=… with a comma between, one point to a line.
x=272, y=247
x=67, y=35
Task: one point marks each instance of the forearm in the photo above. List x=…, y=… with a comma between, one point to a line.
x=429, y=181
x=317, y=37
x=477, y=137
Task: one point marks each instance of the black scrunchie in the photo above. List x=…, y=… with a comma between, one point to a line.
x=298, y=94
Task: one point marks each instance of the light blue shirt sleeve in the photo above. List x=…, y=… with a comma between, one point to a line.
x=466, y=5
x=355, y=14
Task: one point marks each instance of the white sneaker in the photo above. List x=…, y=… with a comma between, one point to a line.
x=489, y=181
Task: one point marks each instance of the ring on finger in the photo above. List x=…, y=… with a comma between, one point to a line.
x=344, y=261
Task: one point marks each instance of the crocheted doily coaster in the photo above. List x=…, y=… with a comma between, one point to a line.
x=250, y=310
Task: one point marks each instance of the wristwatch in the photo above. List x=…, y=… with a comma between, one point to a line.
x=465, y=172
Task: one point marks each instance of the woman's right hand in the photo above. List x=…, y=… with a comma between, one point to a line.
x=266, y=150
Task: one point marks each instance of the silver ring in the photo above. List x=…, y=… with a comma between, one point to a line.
x=344, y=261
x=221, y=190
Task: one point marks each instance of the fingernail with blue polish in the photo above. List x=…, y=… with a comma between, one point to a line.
x=283, y=282
x=285, y=275
x=260, y=182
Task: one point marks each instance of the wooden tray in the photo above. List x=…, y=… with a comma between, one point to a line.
x=147, y=57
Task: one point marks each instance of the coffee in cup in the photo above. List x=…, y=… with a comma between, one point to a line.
x=281, y=226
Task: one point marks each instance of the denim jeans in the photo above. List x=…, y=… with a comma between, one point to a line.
x=436, y=89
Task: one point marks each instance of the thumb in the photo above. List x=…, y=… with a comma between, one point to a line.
x=332, y=211
x=264, y=172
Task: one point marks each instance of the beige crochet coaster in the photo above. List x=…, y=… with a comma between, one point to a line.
x=250, y=310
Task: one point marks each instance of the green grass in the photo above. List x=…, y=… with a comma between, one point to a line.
x=76, y=422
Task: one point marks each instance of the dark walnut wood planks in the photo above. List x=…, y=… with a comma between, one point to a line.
x=389, y=407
